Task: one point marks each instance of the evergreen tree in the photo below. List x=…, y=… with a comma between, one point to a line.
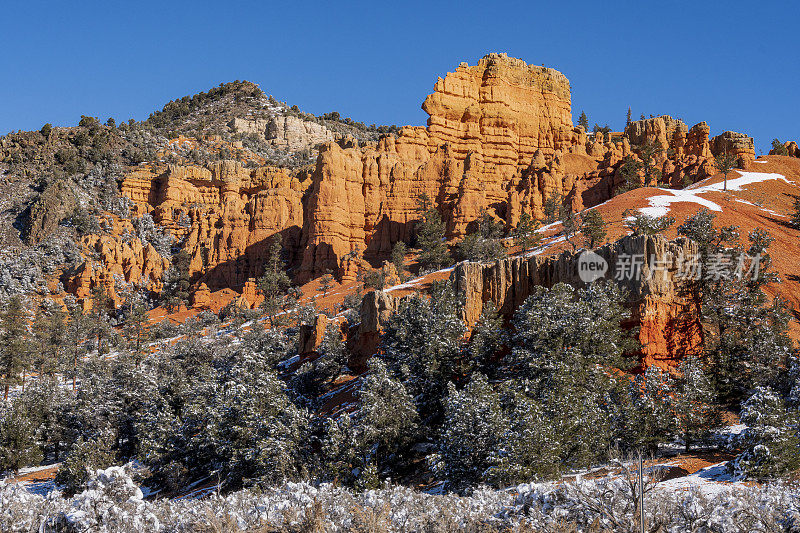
x=696, y=409
x=647, y=411
x=136, y=324
x=387, y=420
x=563, y=333
x=18, y=439
x=274, y=284
x=316, y=376
x=76, y=334
x=431, y=236
x=525, y=234
x=795, y=216
x=15, y=347
x=483, y=244
x=534, y=448
x=49, y=332
x=325, y=283
x=99, y=318
x=86, y=457
x=552, y=208
x=564, y=342
x=177, y=282
x=593, y=228
x=628, y=118
x=422, y=346
x=399, y=251
x=569, y=225
x=472, y=432
x=778, y=148
x=770, y=442
x=375, y=279
x=725, y=162
x=584, y=121
x=488, y=339
x=642, y=224
x=747, y=337
x=641, y=171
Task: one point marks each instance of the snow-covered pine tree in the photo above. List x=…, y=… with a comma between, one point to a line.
x=473, y=429
x=488, y=338
x=19, y=446
x=647, y=414
x=770, y=442
x=15, y=345
x=423, y=346
x=694, y=401
x=387, y=419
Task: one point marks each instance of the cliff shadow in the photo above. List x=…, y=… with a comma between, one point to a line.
x=233, y=273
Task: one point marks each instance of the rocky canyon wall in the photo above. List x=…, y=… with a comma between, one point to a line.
x=662, y=305
x=486, y=122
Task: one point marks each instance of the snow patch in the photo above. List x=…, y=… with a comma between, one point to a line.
x=660, y=205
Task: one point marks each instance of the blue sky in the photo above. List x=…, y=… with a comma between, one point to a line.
x=734, y=64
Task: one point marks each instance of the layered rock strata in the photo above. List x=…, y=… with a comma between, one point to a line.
x=486, y=123
x=662, y=305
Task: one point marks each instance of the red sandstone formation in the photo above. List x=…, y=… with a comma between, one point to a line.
x=486, y=124
x=226, y=213
x=661, y=305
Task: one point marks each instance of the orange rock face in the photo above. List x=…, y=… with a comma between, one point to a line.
x=486, y=123
x=225, y=214
x=665, y=314
x=113, y=260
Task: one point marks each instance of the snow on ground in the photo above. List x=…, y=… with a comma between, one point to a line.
x=416, y=282
x=710, y=481
x=736, y=184
x=660, y=204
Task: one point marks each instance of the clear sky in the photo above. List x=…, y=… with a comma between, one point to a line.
x=734, y=64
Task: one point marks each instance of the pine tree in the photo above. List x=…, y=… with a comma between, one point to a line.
x=325, y=283
x=562, y=333
x=19, y=445
x=778, y=148
x=98, y=318
x=747, y=337
x=525, y=234
x=15, y=347
x=274, y=284
x=484, y=243
x=552, y=208
x=423, y=346
x=399, y=251
x=136, y=324
x=584, y=121
x=771, y=444
x=725, y=162
x=177, y=282
x=49, y=332
x=387, y=420
x=628, y=118
x=569, y=225
x=647, y=410
x=695, y=404
x=86, y=457
x=641, y=171
x=76, y=334
x=593, y=228
x=795, y=216
x=642, y=224
x=431, y=236
x=473, y=428
x=488, y=338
